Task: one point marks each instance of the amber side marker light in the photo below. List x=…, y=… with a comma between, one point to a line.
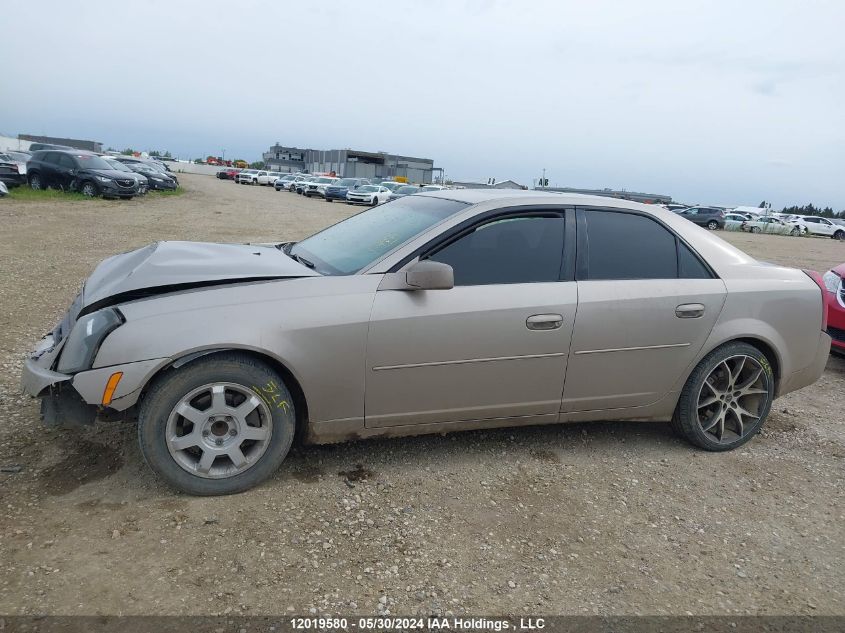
x=111, y=385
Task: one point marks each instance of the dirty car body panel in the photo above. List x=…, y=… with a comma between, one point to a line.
x=372, y=355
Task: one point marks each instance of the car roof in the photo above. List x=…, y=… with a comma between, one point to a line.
x=477, y=196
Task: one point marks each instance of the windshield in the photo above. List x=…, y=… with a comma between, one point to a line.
x=408, y=189
x=346, y=182
x=349, y=246
x=324, y=181
x=86, y=161
x=249, y=171
x=368, y=188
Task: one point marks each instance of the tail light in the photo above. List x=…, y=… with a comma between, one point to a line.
x=812, y=274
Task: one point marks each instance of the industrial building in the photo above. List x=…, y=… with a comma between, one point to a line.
x=490, y=184
x=91, y=146
x=349, y=163
x=633, y=196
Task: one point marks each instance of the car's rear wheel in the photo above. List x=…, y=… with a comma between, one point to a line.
x=89, y=188
x=35, y=182
x=712, y=225
x=726, y=399
x=755, y=229
x=220, y=425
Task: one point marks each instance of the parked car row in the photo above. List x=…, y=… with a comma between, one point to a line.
x=715, y=218
x=330, y=188
x=85, y=172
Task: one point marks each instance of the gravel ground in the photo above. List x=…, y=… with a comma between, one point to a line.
x=602, y=518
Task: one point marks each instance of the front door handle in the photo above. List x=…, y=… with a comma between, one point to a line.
x=690, y=311
x=544, y=322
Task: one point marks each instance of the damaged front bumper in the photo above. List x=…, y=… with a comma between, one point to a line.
x=70, y=401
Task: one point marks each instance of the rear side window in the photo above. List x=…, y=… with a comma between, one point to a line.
x=689, y=265
x=630, y=246
x=512, y=250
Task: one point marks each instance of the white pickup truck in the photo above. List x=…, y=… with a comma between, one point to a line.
x=821, y=226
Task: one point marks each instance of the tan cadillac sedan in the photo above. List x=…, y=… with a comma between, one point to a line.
x=436, y=312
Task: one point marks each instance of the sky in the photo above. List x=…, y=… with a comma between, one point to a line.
x=707, y=101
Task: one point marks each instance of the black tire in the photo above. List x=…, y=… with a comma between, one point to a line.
x=172, y=386
x=35, y=182
x=755, y=229
x=712, y=225
x=375, y=200
x=89, y=188
x=686, y=419
x=329, y=200
x=795, y=232
x=839, y=235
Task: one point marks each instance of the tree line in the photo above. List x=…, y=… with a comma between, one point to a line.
x=809, y=209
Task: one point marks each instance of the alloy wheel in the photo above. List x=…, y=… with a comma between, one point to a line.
x=219, y=430
x=732, y=398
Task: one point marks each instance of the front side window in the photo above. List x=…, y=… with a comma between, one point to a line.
x=356, y=242
x=511, y=250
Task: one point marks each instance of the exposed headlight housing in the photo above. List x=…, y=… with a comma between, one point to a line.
x=103, y=179
x=157, y=179
x=831, y=281
x=85, y=339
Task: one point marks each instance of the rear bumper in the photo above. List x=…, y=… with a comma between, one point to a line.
x=13, y=179
x=812, y=372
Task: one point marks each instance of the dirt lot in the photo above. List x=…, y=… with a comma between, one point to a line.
x=604, y=518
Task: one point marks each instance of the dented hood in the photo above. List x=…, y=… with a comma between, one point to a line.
x=169, y=266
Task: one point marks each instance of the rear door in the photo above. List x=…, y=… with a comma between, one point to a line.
x=48, y=166
x=646, y=304
x=65, y=171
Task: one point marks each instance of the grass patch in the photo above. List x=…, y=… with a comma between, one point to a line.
x=163, y=194
x=25, y=193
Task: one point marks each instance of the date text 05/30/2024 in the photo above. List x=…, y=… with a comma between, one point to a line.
x=415, y=623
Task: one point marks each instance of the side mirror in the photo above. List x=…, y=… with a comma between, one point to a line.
x=429, y=275
x=424, y=275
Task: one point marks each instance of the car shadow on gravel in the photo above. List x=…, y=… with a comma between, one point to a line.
x=552, y=445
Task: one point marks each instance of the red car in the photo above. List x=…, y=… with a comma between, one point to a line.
x=834, y=281
x=228, y=174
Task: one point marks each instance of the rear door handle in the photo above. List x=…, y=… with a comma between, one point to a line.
x=544, y=321
x=690, y=311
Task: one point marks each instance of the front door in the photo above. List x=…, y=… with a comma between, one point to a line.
x=494, y=346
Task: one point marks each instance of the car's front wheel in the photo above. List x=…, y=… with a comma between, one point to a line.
x=795, y=232
x=726, y=399
x=755, y=229
x=89, y=189
x=219, y=425
x=839, y=235
x=374, y=201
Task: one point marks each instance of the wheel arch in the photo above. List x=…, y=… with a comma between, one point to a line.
x=766, y=347
x=289, y=377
